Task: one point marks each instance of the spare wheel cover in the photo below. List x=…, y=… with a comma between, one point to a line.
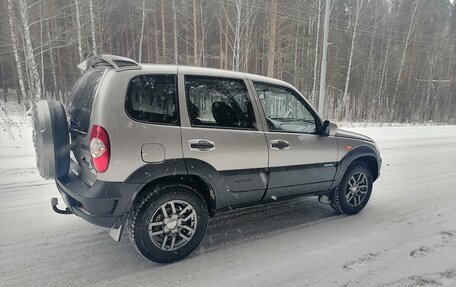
x=51, y=140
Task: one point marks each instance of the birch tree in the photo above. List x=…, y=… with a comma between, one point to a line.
x=43, y=87
x=176, y=51
x=30, y=57
x=344, y=102
x=195, y=33
x=239, y=30
x=92, y=27
x=272, y=38
x=78, y=30
x=52, y=60
x=162, y=14
x=141, y=37
x=389, y=60
x=317, y=47
x=404, y=53
x=20, y=77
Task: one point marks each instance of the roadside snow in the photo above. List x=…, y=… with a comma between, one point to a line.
x=16, y=147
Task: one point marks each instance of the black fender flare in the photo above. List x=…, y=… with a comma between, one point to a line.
x=356, y=153
x=219, y=195
x=171, y=168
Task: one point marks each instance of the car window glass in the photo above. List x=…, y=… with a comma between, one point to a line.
x=153, y=99
x=218, y=102
x=284, y=109
x=81, y=99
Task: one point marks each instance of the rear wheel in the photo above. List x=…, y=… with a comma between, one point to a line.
x=354, y=190
x=168, y=223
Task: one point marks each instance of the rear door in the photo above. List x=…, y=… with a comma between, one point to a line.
x=300, y=160
x=221, y=140
x=79, y=111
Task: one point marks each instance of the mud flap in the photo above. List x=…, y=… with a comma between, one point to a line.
x=116, y=230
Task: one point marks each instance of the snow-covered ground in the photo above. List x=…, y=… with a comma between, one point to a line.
x=405, y=237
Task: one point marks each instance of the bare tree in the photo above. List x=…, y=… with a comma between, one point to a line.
x=272, y=38
x=30, y=57
x=92, y=27
x=176, y=51
x=343, y=104
x=78, y=30
x=141, y=37
x=195, y=33
x=20, y=77
x=52, y=60
x=389, y=60
x=404, y=53
x=317, y=47
x=162, y=14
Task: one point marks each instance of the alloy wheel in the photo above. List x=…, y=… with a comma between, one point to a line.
x=357, y=188
x=173, y=225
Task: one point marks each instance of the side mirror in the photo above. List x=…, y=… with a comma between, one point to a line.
x=326, y=130
x=329, y=129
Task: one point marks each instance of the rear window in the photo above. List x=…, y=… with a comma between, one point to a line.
x=81, y=98
x=153, y=99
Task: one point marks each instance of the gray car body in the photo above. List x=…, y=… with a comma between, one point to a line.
x=243, y=168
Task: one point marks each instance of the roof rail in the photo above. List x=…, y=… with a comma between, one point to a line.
x=117, y=62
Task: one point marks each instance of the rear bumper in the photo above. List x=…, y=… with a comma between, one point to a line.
x=100, y=204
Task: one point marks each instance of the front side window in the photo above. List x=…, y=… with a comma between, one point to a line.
x=153, y=99
x=218, y=103
x=285, y=110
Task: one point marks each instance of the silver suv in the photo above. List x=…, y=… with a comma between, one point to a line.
x=158, y=149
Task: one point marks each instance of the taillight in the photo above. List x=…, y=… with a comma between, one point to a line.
x=100, y=148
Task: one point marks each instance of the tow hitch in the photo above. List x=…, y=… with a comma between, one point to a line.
x=54, y=202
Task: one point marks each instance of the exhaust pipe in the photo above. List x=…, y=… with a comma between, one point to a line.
x=54, y=202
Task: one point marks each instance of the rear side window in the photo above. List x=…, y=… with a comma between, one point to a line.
x=218, y=103
x=81, y=99
x=153, y=99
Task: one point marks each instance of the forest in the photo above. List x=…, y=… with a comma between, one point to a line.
x=388, y=60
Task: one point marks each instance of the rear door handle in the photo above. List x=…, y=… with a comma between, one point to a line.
x=201, y=145
x=280, y=144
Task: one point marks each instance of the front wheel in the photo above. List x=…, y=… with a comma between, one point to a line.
x=168, y=223
x=354, y=190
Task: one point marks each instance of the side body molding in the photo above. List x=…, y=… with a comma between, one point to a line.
x=228, y=187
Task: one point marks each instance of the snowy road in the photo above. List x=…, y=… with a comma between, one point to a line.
x=405, y=237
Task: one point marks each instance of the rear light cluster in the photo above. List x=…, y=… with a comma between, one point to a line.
x=100, y=148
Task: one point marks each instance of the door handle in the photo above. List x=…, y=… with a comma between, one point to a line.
x=280, y=144
x=201, y=145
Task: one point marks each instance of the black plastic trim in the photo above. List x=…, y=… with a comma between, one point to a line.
x=231, y=187
x=103, y=202
x=354, y=154
x=95, y=203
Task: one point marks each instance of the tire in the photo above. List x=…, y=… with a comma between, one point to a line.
x=148, y=209
x=51, y=139
x=351, y=196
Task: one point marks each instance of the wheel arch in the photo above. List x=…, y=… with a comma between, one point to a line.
x=365, y=154
x=203, y=188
